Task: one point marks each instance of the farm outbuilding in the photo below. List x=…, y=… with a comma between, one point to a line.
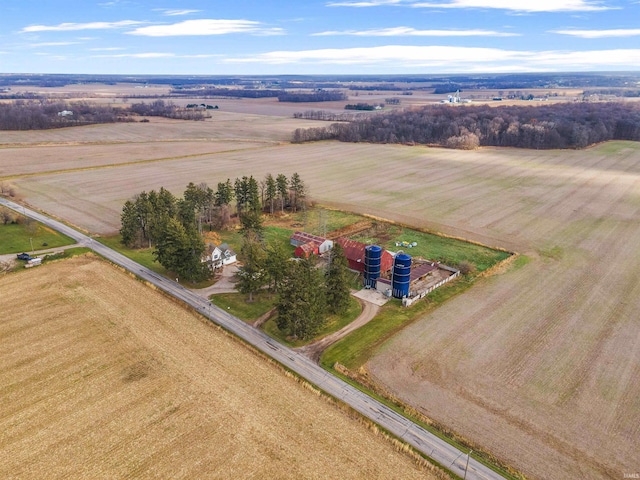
x=301, y=238
x=355, y=253
x=306, y=250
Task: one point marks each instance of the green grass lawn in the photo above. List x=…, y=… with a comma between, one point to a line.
x=68, y=253
x=333, y=324
x=434, y=247
x=236, y=304
x=319, y=221
x=144, y=256
x=355, y=349
x=272, y=234
x=17, y=238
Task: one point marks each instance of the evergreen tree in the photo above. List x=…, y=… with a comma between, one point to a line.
x=166, y=202
x=251, y=222
x=298, y=191
x=224, y=193
x=130, y=229
x=253, y=195
x=143, y=218
x=276, y=264
x=198, y=198
x=282, y=185
x=179, y=250
x=337, y=281
x=171, y=225
x=163, y=207
x=301, y=301
x=241, y=190
x=186, y=214
x=252, y=275
x=222, y=200
x=143, y=210
x=271, y=190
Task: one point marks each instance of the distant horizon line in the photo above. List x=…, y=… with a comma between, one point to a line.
x=460, y=74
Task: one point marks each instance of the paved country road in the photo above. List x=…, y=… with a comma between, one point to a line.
x=422, y=440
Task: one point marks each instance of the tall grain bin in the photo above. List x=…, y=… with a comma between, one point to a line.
x=372, y=256
x=401, y=275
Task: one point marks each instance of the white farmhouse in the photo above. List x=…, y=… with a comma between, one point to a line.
x=219, y=256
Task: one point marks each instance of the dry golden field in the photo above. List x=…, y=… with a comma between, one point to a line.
x=103, y=377
x=539, y=365
x=222, y=126
x=63, y=157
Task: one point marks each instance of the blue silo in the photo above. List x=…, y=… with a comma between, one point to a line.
x=401, y=275
x=372, y=258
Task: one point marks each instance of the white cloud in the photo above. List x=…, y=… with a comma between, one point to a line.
x=621, y=32
x=409, y=55
x=155, y=55
x=590, y=59
x=106, y=49
x=137, y=55
x=206, y=27
x=175, y=13
x=451, y=59
x=412, y=32
x=66, y=27
x=114, y=3
x=522, y=5
x=370, y=3
x=52, y=44
x=512, y=5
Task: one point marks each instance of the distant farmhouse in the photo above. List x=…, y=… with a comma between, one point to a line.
x=219, y=256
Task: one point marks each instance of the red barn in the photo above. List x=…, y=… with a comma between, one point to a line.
x=300, y=238
x=354, y=251
x=307, y=249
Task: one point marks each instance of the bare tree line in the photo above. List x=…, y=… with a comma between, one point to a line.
x=317, y=96
x=328, y=116
x=47, y=114
x=561, y=125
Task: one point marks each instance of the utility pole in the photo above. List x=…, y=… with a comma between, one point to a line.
x=467, y=466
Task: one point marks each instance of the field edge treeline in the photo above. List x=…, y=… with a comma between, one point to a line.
x=49, y=114
x=553, y=126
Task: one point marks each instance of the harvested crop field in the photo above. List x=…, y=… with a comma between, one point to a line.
x=29, y=160
x=222, y=126
x=538, y=365
x=103, y=377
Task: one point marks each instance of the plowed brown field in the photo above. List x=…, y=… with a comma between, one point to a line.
x=222, y=125
x=103, y=377
x=541, y=364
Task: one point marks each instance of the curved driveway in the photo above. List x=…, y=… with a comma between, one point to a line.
x=422, y=440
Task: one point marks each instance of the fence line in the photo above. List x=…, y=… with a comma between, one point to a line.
x=408, y=301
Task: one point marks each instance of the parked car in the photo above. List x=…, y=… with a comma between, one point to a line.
x=24, y=256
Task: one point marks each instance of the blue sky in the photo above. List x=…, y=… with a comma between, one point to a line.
x=236, y=37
